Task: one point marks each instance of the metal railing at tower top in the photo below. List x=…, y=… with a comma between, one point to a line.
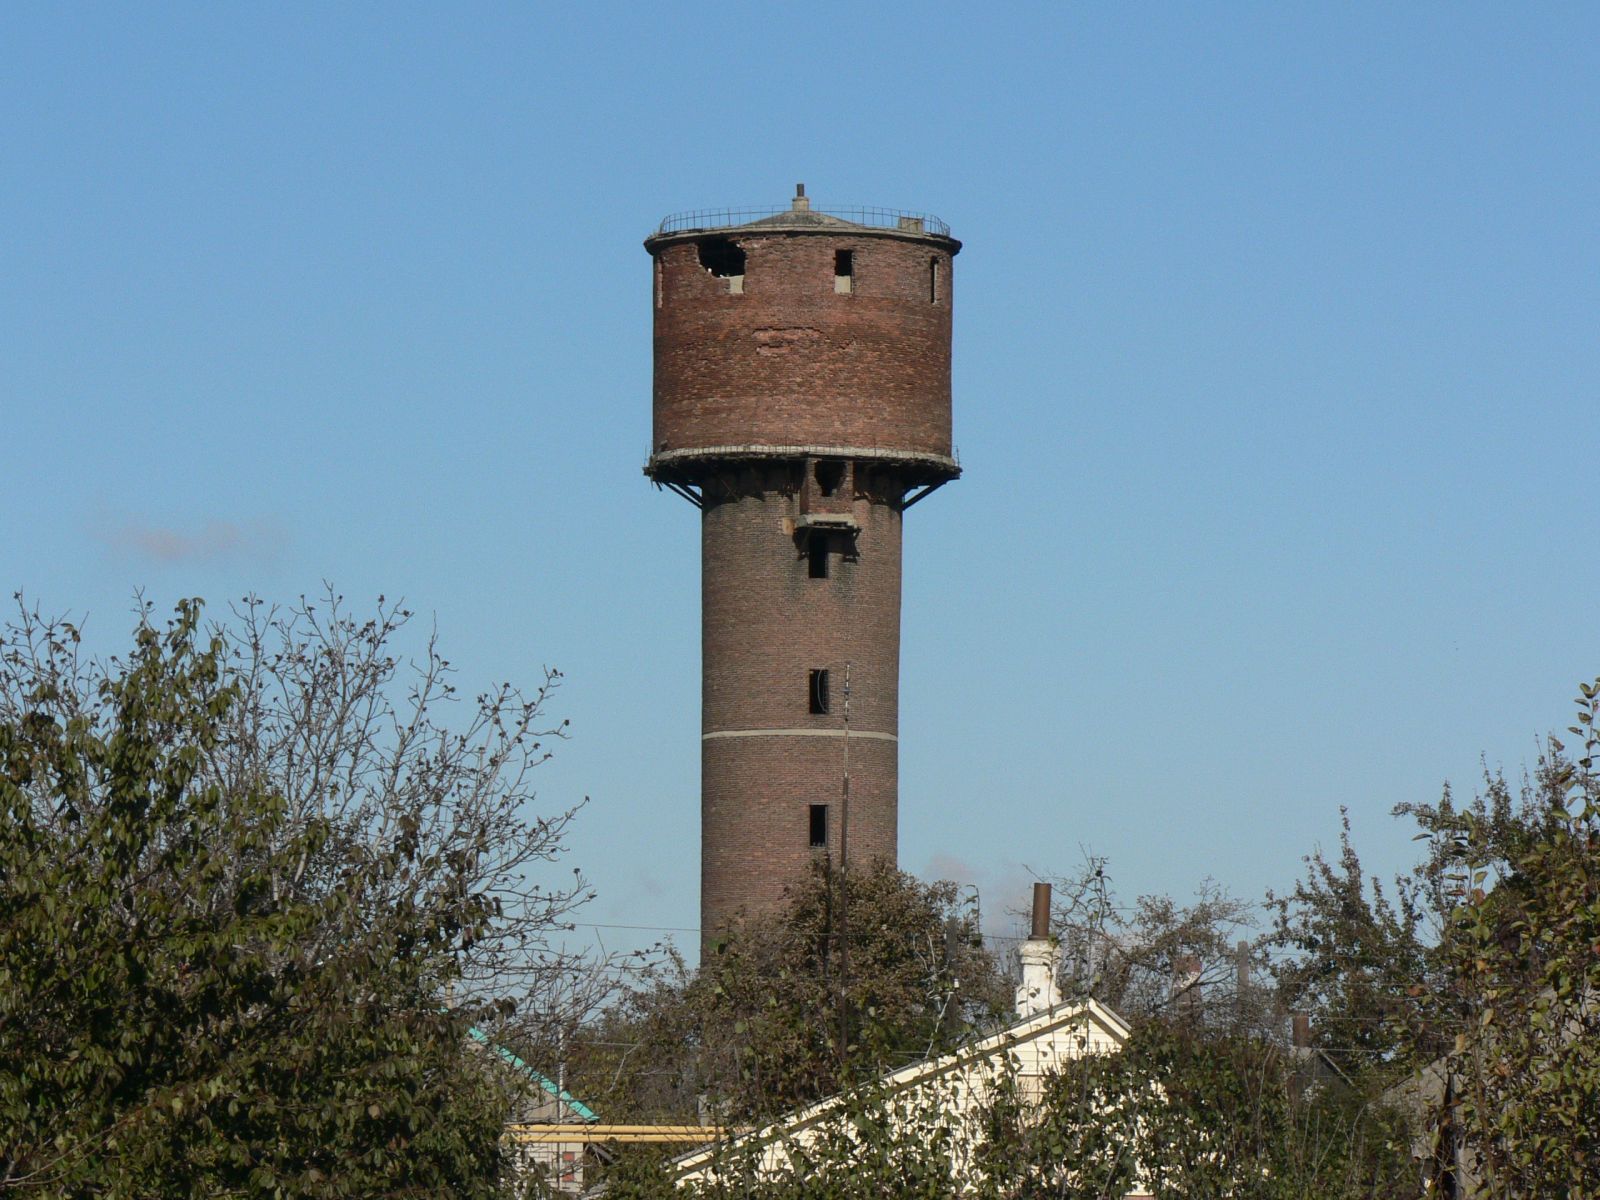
x=872, y=218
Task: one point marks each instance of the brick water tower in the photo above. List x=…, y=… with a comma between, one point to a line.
x=802, y=403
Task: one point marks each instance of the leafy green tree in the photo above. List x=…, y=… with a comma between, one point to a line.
x=1457, y=1004
x=1181, y=1112
x=1189, y=1114
x=797, y=1005
x=1520, y=1084
x=1470, y=986
x=249, y=910
x=1131, y=957
x=1354, y=955
x=876, y=1144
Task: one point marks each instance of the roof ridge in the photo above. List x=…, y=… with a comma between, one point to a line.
x=544, y=1081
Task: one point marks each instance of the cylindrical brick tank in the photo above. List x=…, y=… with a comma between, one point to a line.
x=802, y=401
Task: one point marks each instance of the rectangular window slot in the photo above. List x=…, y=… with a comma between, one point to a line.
x=819, y=691
x=817, y=556
x=933, y=281
x=844, y=271
x=819, y=826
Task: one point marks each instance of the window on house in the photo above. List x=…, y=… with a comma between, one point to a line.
x=844, y=271
x=819, y=691
x=817, y=556
x=819, y=826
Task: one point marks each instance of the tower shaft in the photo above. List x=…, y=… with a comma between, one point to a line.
x=801, y=658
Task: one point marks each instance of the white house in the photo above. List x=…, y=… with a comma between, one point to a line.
x=955, y=1086
x=558, y=1161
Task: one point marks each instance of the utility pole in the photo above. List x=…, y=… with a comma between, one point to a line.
x=844, y=883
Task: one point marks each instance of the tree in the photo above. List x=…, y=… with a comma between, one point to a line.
x=1157, y=958
x=1181, y=1113
x=777, y=1015
x=250, y=905
x=1204, y=1101
x=1353, y=956
x=1521, y=946
x=1470, y=986
x=1188, y=1113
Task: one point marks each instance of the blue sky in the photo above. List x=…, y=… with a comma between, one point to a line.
x=1276, y=377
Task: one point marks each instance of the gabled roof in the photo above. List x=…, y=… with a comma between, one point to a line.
x=583, y=1111
x=996, y=1044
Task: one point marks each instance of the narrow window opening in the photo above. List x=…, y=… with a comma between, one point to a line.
x=725, y=260
x=933, y=281
x=819, y=691
x=844, y=271
x=819, y=826
x=817, y=556
x=829, y=476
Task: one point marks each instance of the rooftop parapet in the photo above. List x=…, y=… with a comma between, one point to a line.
x=799, y=216
x=706, y=220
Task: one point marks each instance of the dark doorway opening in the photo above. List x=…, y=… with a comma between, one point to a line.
x=819, y=826
x=817, y=556
x=819, y=691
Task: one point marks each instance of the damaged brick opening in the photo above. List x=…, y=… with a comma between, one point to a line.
x=829, y=474
x=722, y=257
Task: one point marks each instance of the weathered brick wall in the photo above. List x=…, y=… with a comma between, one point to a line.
x=790, y=362
x=766, y=624
x=754, y=804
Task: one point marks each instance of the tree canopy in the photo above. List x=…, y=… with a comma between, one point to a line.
x=797, y=1004
x=250, y=905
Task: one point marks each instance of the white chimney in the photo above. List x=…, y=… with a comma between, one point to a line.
x=1039, y=956
x=1186, y=977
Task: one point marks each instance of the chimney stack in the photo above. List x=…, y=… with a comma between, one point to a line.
x=1040, y=929
x=1186, y=972
x=1039, y=956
